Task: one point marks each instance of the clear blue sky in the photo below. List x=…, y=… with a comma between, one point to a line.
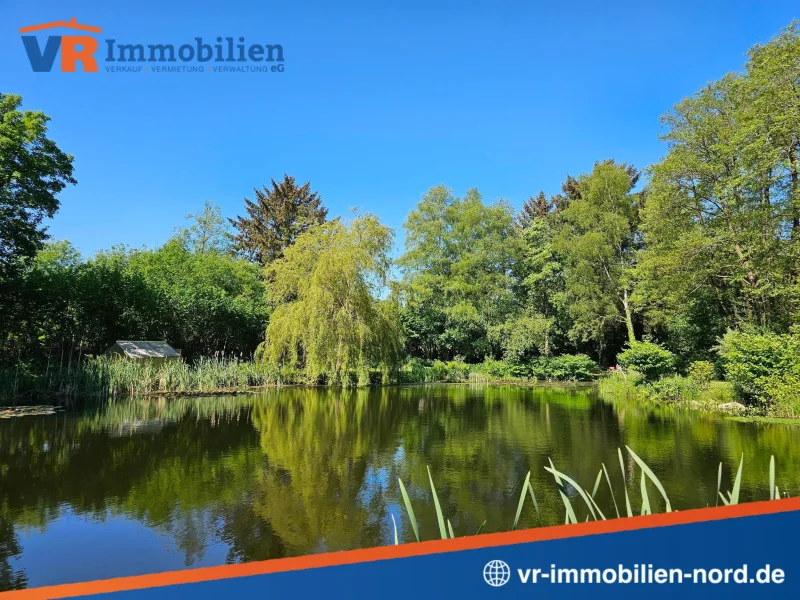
x=379, y=101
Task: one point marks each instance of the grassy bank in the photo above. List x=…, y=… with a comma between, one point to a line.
x=715, y=396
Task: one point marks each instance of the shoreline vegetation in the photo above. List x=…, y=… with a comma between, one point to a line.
x=678, y=283
x=586, y=502
x=110, y=378
x=107, y=379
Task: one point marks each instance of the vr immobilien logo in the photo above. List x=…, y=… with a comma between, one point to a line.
x=74, y=48
x=220, y=55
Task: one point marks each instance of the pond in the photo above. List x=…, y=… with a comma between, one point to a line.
x=154, y=485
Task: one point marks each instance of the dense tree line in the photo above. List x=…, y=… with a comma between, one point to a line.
x=708, y=241
x=705, y=241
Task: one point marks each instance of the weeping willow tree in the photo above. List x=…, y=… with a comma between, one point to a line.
x=329, y=318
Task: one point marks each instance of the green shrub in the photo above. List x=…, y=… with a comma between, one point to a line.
x=451, y=372
x=782, y=394
x=567, y=367
x=647, y=358
x=498, y=369
x=674, y=388
x=702, y=373
x=620, y=387
x=758, y=364
x=416, y=370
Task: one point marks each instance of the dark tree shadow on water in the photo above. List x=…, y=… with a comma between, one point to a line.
x=9, y=547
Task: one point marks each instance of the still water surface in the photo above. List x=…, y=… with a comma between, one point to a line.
x=155, y=485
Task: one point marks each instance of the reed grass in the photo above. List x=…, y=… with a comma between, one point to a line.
x=593, y=510
x=109, y=378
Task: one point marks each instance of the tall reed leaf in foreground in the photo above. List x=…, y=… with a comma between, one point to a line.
x=570, y=517
x=645, y=497
x=719, y=483
x=439, y=515
x=409, y=509
x=583, y=495
x=394, y=524
x=652, y=476
x=733, y=496
x=535, y=503
x=521, y=500
x=597, y=508
x=737, y=484
x=772, y=495
x=611, y=489
x=597, y=482
x=450, y=530
x=624, y=483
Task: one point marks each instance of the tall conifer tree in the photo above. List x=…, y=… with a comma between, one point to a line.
x=276, y=218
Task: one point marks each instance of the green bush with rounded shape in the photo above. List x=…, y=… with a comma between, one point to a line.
x=701, y=372
x=572, y=367
x=647, y=358
x=754, y=358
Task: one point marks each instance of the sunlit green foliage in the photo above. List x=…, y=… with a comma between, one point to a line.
x=457, y=274
x=722, y=215
x=33, y=170
x=647, y=358
x=329, y=317
x=764, y=368
x=599, y=242
x=566, y=367
x=708, y=242
x=702, y=373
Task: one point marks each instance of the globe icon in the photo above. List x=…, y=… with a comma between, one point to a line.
x=496, y=573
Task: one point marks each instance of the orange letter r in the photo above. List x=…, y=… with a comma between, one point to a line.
x=70, y=54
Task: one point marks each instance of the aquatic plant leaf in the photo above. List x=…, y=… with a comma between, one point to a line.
x=571, y=518
x=737, y=484
x=772, y=477
x=439, y=515
x=624, y=484
x=611, y=489
x=521, y=500
x=597, y=482
x=409, y=509
x=574, y=484
x=535, y=504
x=597, y=508
x=394, y=524
x=645, y=497
x=653, y=478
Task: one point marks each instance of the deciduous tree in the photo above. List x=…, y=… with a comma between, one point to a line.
x=330, y=317
x=598, y=240
x=33, y=170
x=457, y=269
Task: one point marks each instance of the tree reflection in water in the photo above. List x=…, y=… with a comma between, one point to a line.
x=298, y=471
